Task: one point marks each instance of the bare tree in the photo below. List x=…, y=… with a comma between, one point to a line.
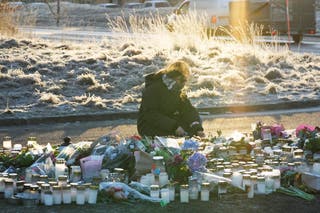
x=56, y=13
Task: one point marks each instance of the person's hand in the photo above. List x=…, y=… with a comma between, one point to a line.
x=180, y=132
x=201, y=134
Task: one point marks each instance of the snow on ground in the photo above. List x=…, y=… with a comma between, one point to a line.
x=39, y=78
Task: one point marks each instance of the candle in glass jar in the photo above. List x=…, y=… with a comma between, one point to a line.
x=74, y=169
x=48, y=198
x=66, y=194
x=245, y=180
x=261, y=185
x=34, y=192
x=165, y=195
x=57, y=195
x=8, y=190
x=151, y=179
x=44, y=188
x=14, y=177
x=193, y=188
x=316, y=168
x=86, y=191
x=269, y=181
x=73, y=191
x=59, y=167
x=20, y=184
x=2, y=184
x=222, y=187
x=163, y=179
x=276, y=179
x=93, y=193
x=157, y=165
x=7, y=143
x=81, y=197
x=26, y=191
x=154, y=191
x=184, y=193
x=28, y=175
x=205, y=191
x=172, y=191
x=249, y=189
x=62, y=180
x=236, y=179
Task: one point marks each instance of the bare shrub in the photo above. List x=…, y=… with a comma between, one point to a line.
x=49, y=98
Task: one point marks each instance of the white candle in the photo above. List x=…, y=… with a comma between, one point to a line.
x=44, y=188
x=172, y=192
x=2, y=185
x=8, y=191
x=250, y=190
x=245, y=180
x=261, y=185
x=151, y=179
x=316, y=168
x=66, y=194
x=165, y=195
x=28, y=176
x=277, y=182
x=59, y=167
x=205, y=191
x=57, y=195
x=163, y=179
x=86, y=191
x=6, y=143
x=73, y=191
x=48, y=199
x=184, y=194
x=269, y=185
x=204, y=195
x=81, y=197
x=236, y=179
x=93, y=193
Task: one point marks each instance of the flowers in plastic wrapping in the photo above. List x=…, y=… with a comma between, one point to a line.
x=190, y=145
x=197, y=162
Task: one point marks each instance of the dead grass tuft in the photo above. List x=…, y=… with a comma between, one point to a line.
x=87, y=79
x=49, y=98
x=7, y=23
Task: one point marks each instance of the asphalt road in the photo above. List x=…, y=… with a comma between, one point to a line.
x=310, y=44
x=91, y=130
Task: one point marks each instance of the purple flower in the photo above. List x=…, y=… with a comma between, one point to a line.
x=190, y=144
x=197, y=162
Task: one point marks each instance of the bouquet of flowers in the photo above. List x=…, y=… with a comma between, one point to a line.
x=197, y=162
x=177, y=167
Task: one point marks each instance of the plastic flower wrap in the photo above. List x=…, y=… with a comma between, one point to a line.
x=190, y=145
x=197, y=162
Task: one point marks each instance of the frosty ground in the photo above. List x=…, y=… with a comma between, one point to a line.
x=39, y=76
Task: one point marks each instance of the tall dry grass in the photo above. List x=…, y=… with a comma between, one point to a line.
x=7, y=22
x=187, y=32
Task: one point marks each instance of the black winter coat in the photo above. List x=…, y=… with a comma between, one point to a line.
x=162, y=111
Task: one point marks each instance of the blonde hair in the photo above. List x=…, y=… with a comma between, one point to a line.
x=177, y=69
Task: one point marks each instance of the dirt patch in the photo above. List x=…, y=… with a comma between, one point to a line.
x=229, y=203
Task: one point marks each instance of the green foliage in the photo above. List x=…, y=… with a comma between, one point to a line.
x=24, y=159
x=313, y=145
x=177, y=167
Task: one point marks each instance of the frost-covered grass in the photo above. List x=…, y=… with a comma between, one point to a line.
x=39, y=77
